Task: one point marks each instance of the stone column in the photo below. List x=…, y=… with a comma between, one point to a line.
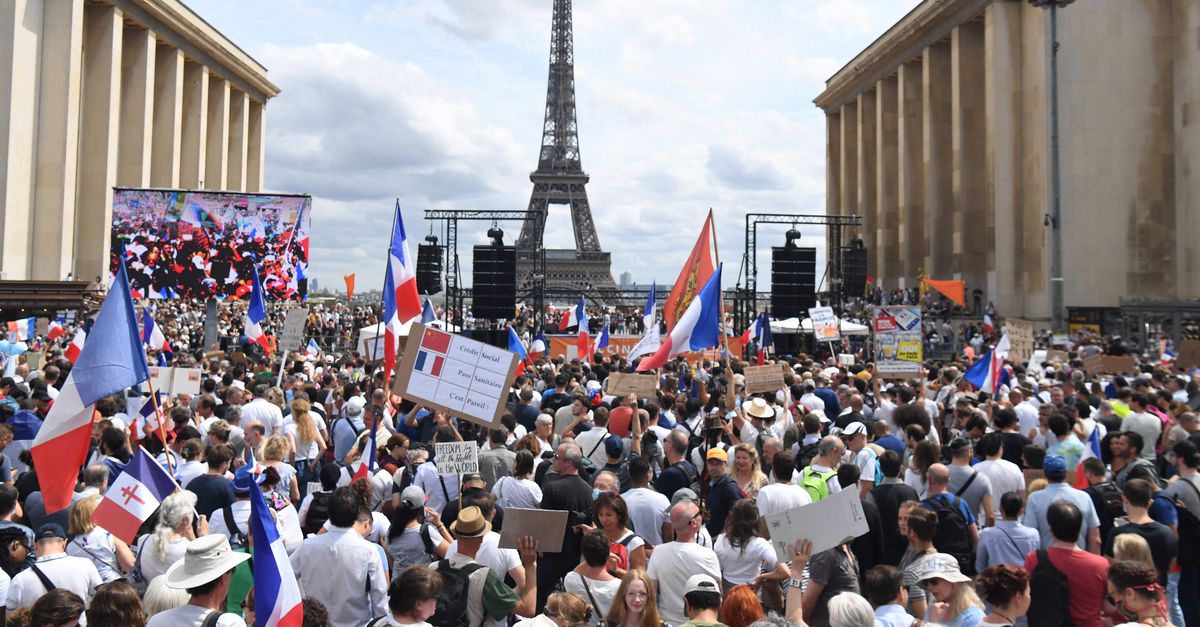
x=938, y=168
x=193, y=149
x=833, y=164
x=256, y=146
x=867, y=147
x=135, y=141
x=1187, y=149
x=216, y=161
x=849, y=166
x=1002, y=48
x=20, y=54
x=887, y=235
x=239, y=103
x=968, y=136
x=57, y=140
x=168, y=114
x=913, y=244
x=99, y=130
x=1033, y=185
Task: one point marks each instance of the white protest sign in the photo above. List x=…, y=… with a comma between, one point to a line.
x=826, y=523
x=824, y=324
x=1020, y=339
x=456, y=458
x=292, y=337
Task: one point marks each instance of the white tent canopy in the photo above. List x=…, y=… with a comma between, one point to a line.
x=372, y=348
x=796, y=325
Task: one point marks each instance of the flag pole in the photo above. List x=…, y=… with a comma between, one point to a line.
x=387, y=376
x=162, y=425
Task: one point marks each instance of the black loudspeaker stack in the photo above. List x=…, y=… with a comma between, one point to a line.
x=495, y=282
x=793, y=281
x=854, y=272
x=429, y=269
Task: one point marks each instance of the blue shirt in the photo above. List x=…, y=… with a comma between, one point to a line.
x=1039, y=502
x=1006, y=543
x=969, y=617
x=893, y=616
x=1162, y=509
x=345, y=432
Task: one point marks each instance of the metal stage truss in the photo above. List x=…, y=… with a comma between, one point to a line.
x=746, y=300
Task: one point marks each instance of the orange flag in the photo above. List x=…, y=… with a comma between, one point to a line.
x=954, y=290
x=349, y=285
x=700, y=265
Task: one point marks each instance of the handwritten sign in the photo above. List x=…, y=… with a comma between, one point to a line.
x=824, y=324
x=827, y=523
x=1020, y=336
x=547, y=526
x=624, y=383
x=292, y=337
x=456, y=458
x=456, y=374
x=763, y=379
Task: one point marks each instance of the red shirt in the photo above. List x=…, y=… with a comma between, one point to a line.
x=1086, y=574
x=619, y=420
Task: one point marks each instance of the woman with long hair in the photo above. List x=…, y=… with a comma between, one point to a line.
x=307, y=442
x=155, y=552
x=743, y=554
x=628, y=548
x=747, y=472
x=57, y=608
x=562, y=609
x=1006, y=589
x=636, y=604
x=109, y=553
x=741, y=607
x=519, y=490
x=924, y=455
x=417, y=536
x=1135, y=589
x=116, y=604
x=275, y=452
x=955, y=602
x=1131, y=547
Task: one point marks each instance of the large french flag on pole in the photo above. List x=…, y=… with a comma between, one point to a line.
x=112, y=361
x=697, y=329
x=404, y=272
x=152, y=335
x=988, y=374
x=255, y=315
x=276, y=592
x=583, y=344
x=133, y=497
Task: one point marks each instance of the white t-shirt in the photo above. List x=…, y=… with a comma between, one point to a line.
x=777, y=497
x=671, y=565
x=501, y=561
x=264, y=412
x=1004, y=477
x=648, y=511
x=604, y=592
x=188, y=615
x=513, y=492
x=743, y=564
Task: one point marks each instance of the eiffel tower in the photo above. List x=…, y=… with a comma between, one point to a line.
x=560, y=180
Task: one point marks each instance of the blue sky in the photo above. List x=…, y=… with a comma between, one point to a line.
x=682, y=106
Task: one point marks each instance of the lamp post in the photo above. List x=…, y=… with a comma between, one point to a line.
x=1055, y=218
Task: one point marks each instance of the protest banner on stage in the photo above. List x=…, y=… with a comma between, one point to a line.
x=763, y=378
x=456, y=458
x=1020, y=339
x=824, y=324
x=623, y=383
x=456, y=374
x=826, y=523
x=547, y=526
x=898, y=347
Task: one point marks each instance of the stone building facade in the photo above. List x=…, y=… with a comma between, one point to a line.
x=102, y=93
x=938, y=135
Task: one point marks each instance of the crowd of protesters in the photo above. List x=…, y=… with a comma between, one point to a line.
x=982, y=509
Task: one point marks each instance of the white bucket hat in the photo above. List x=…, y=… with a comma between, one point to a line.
x=207, y=558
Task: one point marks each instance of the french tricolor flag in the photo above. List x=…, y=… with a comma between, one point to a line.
x=1091, y=450
x=25, y=425
x=255, y=315
x=400, y=300
x=276, y=591
x=539, y=345
x=76, y=345
x=134, y=496
x=23, y=329
x=152, y=335
x=697, y=329
x=55, y=331
x=583, y=343
x=988, y=374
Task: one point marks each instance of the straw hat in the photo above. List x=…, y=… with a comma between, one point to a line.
x=758, y=408
x=471, y=524
x=207, y=558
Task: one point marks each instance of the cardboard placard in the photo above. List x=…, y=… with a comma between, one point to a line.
x=33, y=360
x=1189, y=354
x=1119, y=365
x=1093, y=365
x=824, y=324
x=43, y=326
x=845, y=360
x=826, y=523
x=1057, y=356
x=185, y=381
x=622, y=383
x=898, y=348
x=547, y=526
x=461, y=376
x=1020, y=338
x=456, y=458
x=292, y=337
x=1033, y=474
x=763, y=379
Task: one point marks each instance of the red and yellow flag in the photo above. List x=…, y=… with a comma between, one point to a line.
x=700, y=265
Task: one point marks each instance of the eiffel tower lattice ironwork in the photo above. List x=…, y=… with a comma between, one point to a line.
x=560, y=180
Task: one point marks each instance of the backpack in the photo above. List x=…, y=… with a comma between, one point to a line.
x=1189, y=531
x=690, y=475
x=805, y=456
x=951, y=536
x=428, y=543
x=452, y=604
x=816, y=483
x=237, y=537
x=621, y=550
x=318, y=513
x=1050, y=603
x=1112, y=506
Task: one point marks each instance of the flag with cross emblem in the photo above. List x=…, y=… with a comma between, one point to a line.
x=134, y=497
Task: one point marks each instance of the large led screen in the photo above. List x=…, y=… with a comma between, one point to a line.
x=190, y=244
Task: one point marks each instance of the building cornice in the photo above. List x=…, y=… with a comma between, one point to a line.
x=174, y=23
x=906, y=40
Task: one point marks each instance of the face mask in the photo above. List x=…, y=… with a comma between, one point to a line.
x=595, y=493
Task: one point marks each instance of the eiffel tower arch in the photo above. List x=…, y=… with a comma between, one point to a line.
x=560, y=180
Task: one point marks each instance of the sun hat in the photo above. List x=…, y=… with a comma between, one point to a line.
x=207, y=558
x=470, y=524
x=758, y=408
x=940, y=566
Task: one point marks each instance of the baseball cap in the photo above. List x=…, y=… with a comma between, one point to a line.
x=473, y=477
x=1054, y=466
x=701, y=583
x=51, y=530
x=613, y=446
x=855, y=428
x=717, y=453
x=684, y=494
x=414, y=496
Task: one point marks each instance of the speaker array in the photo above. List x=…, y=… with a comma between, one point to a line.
x=495, y=282
x=429, y=269
x=793, y=281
